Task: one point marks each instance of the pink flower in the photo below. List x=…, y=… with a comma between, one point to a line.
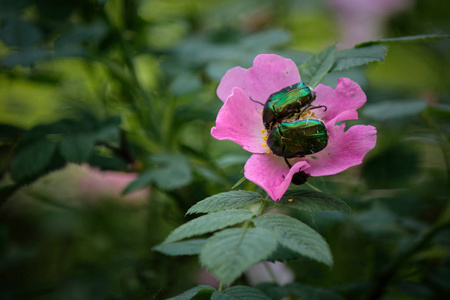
x=240, y=121
x=96, y=184
x=364, y=20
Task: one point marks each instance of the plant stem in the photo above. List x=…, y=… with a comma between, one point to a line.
x=271, y=273
x=127, y=56
x=313, y=187
x=220, y=286
x=385, y=277
x=263, y=205
x=443, y=222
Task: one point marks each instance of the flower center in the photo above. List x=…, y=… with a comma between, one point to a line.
x=264, y=136
x=307, y=115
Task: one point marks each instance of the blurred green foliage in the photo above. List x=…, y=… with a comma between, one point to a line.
x=129, y=86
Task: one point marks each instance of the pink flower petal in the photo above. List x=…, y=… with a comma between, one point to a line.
x=348, y=95
x=346, y=115
x=271, y=173
x=269, y=74
x=345, y=149
x=239, y=122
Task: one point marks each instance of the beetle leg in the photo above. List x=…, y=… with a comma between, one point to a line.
x=256, y=101
x=302, y=111
x=318, y=106
x=287, y=162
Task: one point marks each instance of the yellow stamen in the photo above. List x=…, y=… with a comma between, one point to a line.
x=265, y=138
x=262, y=131
x=261, y=111
x=264, y=145
x=290, y=200
x=269, y=151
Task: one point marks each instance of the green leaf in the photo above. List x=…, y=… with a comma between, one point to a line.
x=189, y=294
x=240, y=292
x=209, y=223
x=141, y=182
x=228, y=253
x=296, y=236
x=11, y=8
x=283, y=254
x=390, y=110
x=185, y=83
x=311, y=293
x=189, y=247
x=78, y=35
x=9, y=131
x=204, y=294
x=25, y=57
x=31, y=160
x=108, y=130
x=266, y=39
x=7, y=191
x=19, y=33
x=231, y=160
x=77, y=147
x=311, y=201
x=107, y=163
x=406, y=39
x=225, y=201
x=172, y=171
x=273, y=290
x=356, y=57
x=317, y=66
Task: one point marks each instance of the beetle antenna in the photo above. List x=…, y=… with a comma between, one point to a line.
x=301, y=112
x=256, y=101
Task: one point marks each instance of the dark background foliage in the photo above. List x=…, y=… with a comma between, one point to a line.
x=128, y=87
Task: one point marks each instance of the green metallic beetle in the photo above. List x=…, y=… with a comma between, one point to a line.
x=287, y=102
x=297, y=139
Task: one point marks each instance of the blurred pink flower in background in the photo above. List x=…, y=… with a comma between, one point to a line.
x=83, y=184
x=259, y=273
x=255, y=274
x=364, y=20
x=95, y=184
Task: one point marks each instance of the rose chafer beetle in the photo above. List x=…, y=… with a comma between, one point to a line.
x=289, y=101
x=297, y=139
